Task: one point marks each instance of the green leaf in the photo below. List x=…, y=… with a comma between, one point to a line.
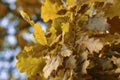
x=39, y=34
x=31, y=65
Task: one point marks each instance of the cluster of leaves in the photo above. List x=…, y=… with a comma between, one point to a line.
x=31, y=7
x=77, y=44
x=12, y=28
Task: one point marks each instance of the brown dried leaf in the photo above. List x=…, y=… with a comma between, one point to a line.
x=65, y=52
x=71, y=62
x=107, y=65
x=93, y=45
x=84, y=66
x=52, y=64
x=84, y=55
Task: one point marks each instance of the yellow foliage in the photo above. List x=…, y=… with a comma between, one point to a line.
x=73, y=35
x=53, y=35
x=49, y=10
x=39, y=34
x=71, y=2
x=65, y=27
x=31, y=65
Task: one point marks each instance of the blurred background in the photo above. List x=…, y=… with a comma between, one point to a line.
x=15, y=33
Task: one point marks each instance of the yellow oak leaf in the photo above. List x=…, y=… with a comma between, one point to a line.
x=31, y=65
x=39, y=34
x=49, y=10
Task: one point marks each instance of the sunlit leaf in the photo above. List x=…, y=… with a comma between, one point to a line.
x=31, y=65
x=39, y=34
x=50, y=8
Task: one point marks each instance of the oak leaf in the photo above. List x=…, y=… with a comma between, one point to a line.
x=93, y=45
x=52, y=64
x=71, y=62
x=65, y=52
x=84, y=66
x=49, y=10
x=39, y=34
x=31, y=65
